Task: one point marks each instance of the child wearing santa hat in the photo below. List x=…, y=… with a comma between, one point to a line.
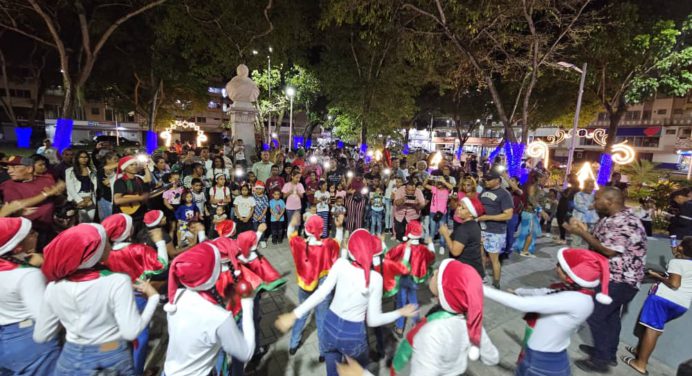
x=20, y=300
x=313, y=258
x=95, y=306
x=358, y=290
x=199, y=326
x=557, y=312
x=418, y=259
x=139, y=261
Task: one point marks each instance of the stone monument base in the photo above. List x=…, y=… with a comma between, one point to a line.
x=243, y=116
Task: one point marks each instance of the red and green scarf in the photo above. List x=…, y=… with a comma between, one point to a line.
x=404, y=352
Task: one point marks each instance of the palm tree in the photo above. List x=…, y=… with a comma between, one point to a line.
x=641, y=174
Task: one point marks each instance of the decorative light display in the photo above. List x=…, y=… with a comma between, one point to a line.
x=339, y=144
x=605, y=169
x=597, y=135
x=405, y=150
x=167, y=134
x=435, y=161
x=63, y=134
x=152, y=142
x=585, y=173
x=378, y=155
x=539, y=149
x=23, y=136
x=514, y=153
x=623, y=154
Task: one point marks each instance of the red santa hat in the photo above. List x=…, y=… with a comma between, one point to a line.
x=314, y=226
x=196, y=269
x=460, y=290
x=474, y=206
x=153, y=218
x=259, y=184
x=124, y=162
x=247, y=242
x=225, y=228
x=12, y=232
x=414, y=230
x=587, y=269
x=78, y=247
x=118, y=227
x=377, y=246
x=360, y=251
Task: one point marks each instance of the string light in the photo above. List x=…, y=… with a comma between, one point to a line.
x=586, y=173
x=435, y=161
x=539, y=149
x=167, y=134
x=623, y=154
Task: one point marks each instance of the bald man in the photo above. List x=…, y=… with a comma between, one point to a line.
x=620, y=236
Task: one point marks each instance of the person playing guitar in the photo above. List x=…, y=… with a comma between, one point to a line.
x=130, y=191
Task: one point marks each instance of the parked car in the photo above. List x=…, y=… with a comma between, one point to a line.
x=113, y=141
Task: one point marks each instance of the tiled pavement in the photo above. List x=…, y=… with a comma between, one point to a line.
x=505, y=326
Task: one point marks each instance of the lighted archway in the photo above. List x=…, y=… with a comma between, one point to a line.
x=167, y=134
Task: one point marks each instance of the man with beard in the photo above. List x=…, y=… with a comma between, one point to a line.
x=620, y=236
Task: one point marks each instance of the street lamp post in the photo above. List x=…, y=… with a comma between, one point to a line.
x=290, y=92
x=573, y=140
x=269, y=85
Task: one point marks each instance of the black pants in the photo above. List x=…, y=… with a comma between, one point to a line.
x=243, y=226
x=605, y=322
x=400, y=229
x=560, y=221
x=277, y=229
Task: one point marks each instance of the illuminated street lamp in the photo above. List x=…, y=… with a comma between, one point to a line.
x=290, y=92
x=573, y=141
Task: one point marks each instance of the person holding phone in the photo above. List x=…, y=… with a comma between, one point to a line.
x=408, y=202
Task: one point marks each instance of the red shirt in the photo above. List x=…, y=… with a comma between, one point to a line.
x=14, y=190
x=274, y=183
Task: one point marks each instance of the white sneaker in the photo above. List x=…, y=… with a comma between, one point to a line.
x=263, y=244
x=442, y=250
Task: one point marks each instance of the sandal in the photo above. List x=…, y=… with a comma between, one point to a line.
x=631, y=349
x=628, y=360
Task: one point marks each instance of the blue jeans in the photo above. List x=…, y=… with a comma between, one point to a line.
x=320, y=314
x=539, y=363
x=425, y=222
x=139, y=353
x=388, y=217
x=376, y=221
x=408, y=294
x=105, y=208
x=343, y=338
x=237, y=367
x=512, y=225
x=87, y=360
x=435, y=227
x=20, y=355
x=605, y=322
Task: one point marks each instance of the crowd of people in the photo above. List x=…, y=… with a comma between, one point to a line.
x=93, y=241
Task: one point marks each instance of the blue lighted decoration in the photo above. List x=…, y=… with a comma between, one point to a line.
x=297, y=141
x=152, y=141
x=275, y=142
x=339, y=144
x=459, y=151
x=605, y=169
x=265, y=146
x=363, y=148
x=63, y=134
x=495, y=153
x=308, y=143
x=405, y=150
x=23, y=137
x=514, y=152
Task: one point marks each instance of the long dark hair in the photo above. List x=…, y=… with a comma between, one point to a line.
x=75, y=162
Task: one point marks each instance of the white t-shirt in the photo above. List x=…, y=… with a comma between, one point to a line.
x=351, y=300
x=21, y=294
x=93, y=312
x=683, y=295
x=244, y=205
x=219, y=193
x=322, y=199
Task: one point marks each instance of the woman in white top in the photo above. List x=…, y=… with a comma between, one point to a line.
x=198, y=324
x=20, y=300
x=95, y=306
x=80, y=181
x=218, y=166
x=557, y=312
x=358, y=295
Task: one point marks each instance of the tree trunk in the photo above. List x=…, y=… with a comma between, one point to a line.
x=363, y=133
x=7, y=101
x=307, y=133
x=151, y=119
x=68, y=101
x=614, y=118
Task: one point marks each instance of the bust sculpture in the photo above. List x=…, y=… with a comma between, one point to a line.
x=241, y=88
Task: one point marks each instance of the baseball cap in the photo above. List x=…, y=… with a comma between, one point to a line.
x=16, y=160
x=492, y=174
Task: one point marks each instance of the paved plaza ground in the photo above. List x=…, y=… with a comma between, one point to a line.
x=505, y=326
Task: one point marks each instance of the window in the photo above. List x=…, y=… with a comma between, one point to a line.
x=649, y=142
x=109, y=115
x=646, y=115
x=95, y=111
x=201, y=119
x=602, y=116
x=632, y=115
x=685, y=133
x=678, y=111
x=671, y=131
x=661, y=112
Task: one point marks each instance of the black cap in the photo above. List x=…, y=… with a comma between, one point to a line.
x=492, y=174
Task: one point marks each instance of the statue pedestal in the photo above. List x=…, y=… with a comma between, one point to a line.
x=243, y=116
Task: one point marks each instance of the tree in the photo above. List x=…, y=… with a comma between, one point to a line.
x=634, y=55
x=366, y=67
x=55, y=24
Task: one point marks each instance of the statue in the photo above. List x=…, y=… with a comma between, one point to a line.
x=241, y=89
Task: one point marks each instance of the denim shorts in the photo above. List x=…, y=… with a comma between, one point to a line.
x=87, y=360
x=494, y=243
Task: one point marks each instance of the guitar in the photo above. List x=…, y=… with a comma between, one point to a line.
x=132, y=207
